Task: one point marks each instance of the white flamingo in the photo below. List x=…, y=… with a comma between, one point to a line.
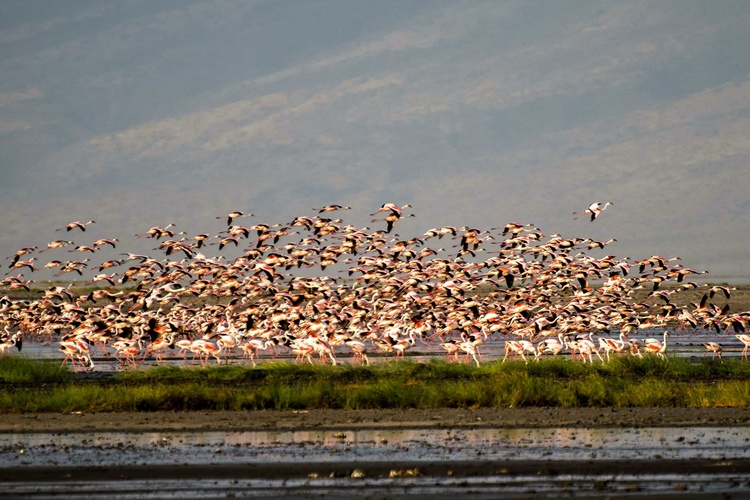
x=657, y=347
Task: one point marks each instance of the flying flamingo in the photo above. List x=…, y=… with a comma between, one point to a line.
x=20, y=253
x=23, y=263
x=56, y=244
x=331, y=208
x=233, y=215
x=77, y=224
x=391, y=219
x=595, y=209
x=391, y=207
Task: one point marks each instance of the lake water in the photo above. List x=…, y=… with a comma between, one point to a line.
x=476, y=463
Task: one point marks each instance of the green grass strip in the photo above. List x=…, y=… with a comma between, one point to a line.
x=23, y=370
x=38, y=386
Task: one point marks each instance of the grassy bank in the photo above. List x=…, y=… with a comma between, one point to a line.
x=38, y=386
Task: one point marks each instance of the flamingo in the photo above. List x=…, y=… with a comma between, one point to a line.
x=519, y=348
x=157, y=232
x=657, y=347
x=56, y=244
x=130, y=353
x=76, y=224
x=184, y=346
x=634, y=346
x=719, y=288
x=7, y=343
x=233, y=215
x=101, y=242
x=552, y=346
x=20, y=253
x=76, y=350
x=209, y=349
x=331, y=208
x=322, y=347
x=745, y=339
x=402, y=345
x=587, y=347
x=157, y=347
x=714, y=348
x=83, y=248
x=392, y=282
x=303, y=350
x=470, y=349
x=613, y=346
x=22, y=263
x=391, y=207
x=360, y=350
x=251, y=347
x=391, y=219
x=430, y=233
x=451, y=348
x=595, y=209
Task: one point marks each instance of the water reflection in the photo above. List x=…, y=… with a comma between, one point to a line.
x=180, y=461
x=407, y=445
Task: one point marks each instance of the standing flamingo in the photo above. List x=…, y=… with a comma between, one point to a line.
x=656, y=347
x=613, y=345
x=745, y=339
x=359, y=349
x=713, y=348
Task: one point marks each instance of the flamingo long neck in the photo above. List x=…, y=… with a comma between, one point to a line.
x=411, y=337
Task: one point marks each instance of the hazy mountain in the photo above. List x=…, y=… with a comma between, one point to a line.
x=141, y=113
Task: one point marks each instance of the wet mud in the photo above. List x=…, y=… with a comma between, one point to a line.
x=387, y=418
x=384, y=459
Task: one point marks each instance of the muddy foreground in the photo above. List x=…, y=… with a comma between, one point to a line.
x=684, y=465
x=364, y=419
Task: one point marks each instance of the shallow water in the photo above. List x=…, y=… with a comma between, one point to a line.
x=680, y=344
x=329, y=458
x=701, y=486
x=405, y=445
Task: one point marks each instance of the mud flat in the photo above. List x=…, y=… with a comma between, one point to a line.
x=388, y=454
x=372, y=419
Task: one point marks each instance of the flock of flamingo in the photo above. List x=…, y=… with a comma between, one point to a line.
x=318, y=289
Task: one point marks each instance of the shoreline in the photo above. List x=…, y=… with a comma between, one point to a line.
x=291, y=420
